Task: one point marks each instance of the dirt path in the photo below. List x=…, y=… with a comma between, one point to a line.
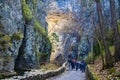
x=69, y=75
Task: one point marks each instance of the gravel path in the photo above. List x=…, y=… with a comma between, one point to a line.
x=69, y=75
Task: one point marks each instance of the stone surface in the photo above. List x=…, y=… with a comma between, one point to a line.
x=61, y=23
x=20, y=43
x=38, y=74
x=22, y=46
x=11, y=21
x=69, y=75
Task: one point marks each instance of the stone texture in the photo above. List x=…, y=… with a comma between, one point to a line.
x=11, y=21
x=38, y=74
x=59, y=22
x=20, y=43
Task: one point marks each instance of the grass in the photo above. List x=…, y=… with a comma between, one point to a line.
x=107, y=74
x=118, y=25
x=93, y=73
x=49, y=66
x=112, y=49
x=112, y=70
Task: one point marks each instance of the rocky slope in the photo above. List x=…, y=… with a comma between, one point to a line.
x=23, y=39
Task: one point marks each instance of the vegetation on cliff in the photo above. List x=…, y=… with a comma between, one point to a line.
x=27, y=14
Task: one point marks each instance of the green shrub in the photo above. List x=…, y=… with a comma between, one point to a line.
x=5, y=41
x=17, y=35
x=112, y=70
x=6, y=38
x=55, y=36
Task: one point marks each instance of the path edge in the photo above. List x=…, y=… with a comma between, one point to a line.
x=41, y=76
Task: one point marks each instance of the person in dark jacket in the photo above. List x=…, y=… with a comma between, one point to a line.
x=70, y=61
x=83, y=66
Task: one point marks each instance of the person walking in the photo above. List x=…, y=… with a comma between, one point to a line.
x=83, y=66
x=70, y=63
x=78, y=62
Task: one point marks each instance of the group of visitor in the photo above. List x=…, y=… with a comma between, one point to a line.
x=76, y=63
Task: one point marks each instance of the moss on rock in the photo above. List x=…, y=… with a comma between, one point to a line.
x=90, y=74
x=17, y=35
x=27, y=14
x=38, y=27
x=118, y=25
x=34, y=4
x=5, y=41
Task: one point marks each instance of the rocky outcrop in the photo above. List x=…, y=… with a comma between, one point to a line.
x=11, y=33
x=23, y=39
x=62, y=24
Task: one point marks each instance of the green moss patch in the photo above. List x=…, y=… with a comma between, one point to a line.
x=93, y=74
x=38, y=27
x=119, y=25
x=17, y=35
x=5, y=41
x=27, y=14
x=112, y=70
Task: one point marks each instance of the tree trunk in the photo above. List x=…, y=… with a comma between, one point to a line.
x=108, y=60
x=100, y=46
x=119, y=9
x=115, y=29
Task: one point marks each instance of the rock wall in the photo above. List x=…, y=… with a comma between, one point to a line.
x=24, y=43
x=62, y=21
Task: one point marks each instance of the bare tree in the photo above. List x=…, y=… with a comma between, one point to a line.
x=115, y=29
x=108, y=60
x=119, y=8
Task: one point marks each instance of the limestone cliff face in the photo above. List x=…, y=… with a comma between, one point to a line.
x=63, y=23
x=23, y=39
x=26, y=24
x=11, y=33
